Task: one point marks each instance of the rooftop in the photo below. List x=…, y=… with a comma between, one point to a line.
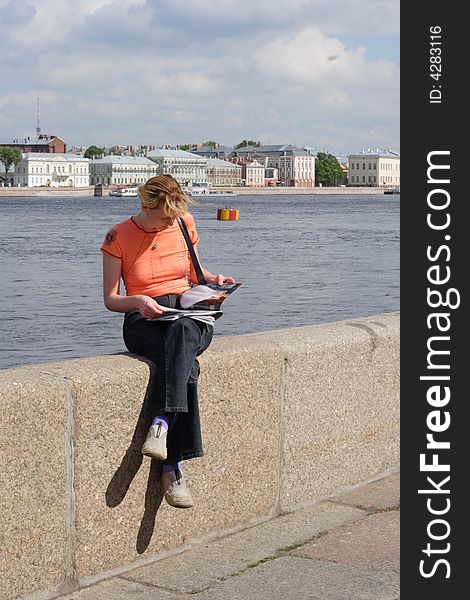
x=28, y=141
x=218, y=162
x=118, y=159
x=163, y=152
x=24, y=142
x=376, y=152
x=212, y=149
x=53, y=157
x=273, y=149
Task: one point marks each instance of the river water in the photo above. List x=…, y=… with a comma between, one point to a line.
x=302, y=260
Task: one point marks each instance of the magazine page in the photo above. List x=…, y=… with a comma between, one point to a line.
x=209, y=296
x=195, y=314
x=172, y=314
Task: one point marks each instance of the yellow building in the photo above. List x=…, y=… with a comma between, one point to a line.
x=379, y=168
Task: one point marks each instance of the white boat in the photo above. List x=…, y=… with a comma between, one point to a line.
x=124, y=191
x=395, y=190
x=206, y=192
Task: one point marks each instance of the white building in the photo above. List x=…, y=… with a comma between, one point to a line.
x=296, y=166
x=223, y=173
x=41, y=169
x=121, y=170
x=379, y=168
x=187, y=168
x=254, y=174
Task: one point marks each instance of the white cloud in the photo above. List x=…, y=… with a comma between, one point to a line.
x=25, y=99
x=51, y=22
x=377, y=16
x=14, y=13
x=183, y=82
x=310, y=57
x=337, y=99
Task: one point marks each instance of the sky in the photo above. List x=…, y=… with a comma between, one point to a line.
x=129, y=72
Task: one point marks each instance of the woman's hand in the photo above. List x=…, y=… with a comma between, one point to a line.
x=148, y=308
x=219, y=279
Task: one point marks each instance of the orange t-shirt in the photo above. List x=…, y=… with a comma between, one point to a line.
x=154, y=263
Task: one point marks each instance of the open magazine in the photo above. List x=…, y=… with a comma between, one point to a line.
x=201, y=302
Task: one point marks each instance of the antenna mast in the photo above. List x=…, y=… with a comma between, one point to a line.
x=38, y=127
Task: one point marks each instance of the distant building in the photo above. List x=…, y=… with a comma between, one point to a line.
x=216, y=151
x=77, y=150
x=223, y=173
x=271, y=176
x=296, y=166
x=246, y=154
x=45, y=143
x=187, y=168
x=379, y=168
x=41, y=169
x=121, y=170
x=253, y=173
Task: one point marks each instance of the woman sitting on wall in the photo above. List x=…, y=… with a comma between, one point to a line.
x=149, y=252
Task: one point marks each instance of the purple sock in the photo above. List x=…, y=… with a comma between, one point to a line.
x=171, y=467
x=163, y=420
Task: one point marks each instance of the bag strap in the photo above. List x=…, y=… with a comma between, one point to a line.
x=197, y=267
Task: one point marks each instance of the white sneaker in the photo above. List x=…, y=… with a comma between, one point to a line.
x=155, y=442
x=176, y=492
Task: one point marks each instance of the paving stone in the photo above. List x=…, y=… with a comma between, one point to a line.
x=294, y=578
x=383, y=494
x=372, y=542
x=120, y=589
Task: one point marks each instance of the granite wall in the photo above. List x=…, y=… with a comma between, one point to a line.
x=288, y=417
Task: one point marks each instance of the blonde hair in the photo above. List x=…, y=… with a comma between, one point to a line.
x=164, y=188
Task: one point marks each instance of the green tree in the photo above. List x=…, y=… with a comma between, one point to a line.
x=247, y=143
x=8, y=157
x=210, y=143
x=93, y=152
x=328, y=171
x=186, y=146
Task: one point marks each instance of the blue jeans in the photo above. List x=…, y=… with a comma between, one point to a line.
x=173, y=347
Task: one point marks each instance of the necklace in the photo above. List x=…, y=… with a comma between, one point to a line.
x=139, y=220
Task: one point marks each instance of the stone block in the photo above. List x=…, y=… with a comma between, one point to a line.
x=33, y=498
x=287, y=577
x=120, y=589
x=383, y=494
x=340, y=410
x=372, y=542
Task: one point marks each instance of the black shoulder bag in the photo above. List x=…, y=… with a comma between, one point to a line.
x=197, y=267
